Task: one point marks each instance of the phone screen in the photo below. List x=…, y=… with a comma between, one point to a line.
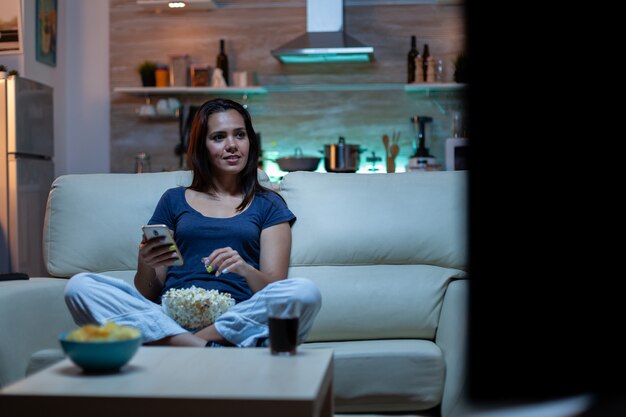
x=160, y=230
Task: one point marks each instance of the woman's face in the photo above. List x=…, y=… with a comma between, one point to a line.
x=227, y=142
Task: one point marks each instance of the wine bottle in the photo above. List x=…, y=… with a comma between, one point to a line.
x=411, y=60
x=425, y=56
x=222, y=62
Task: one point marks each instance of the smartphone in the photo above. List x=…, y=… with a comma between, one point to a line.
x=151, y=231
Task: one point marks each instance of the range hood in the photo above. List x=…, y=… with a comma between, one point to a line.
x=325, y=40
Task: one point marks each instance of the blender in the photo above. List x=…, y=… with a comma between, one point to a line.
x=422, y=158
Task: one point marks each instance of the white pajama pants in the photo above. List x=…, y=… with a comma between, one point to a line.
x=96, y=298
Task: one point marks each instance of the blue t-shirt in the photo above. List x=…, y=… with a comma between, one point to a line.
x=197, y=236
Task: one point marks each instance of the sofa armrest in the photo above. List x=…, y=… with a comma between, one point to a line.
x=452, y=340
x=32, y=314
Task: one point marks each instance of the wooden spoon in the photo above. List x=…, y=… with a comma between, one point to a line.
x=394, y=150
x=386, y=143
x=391, y=160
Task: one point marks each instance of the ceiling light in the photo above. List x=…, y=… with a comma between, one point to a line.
x=178, y=5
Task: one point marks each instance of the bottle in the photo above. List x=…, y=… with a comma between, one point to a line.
x=430, y=72
x=419, y=70
x=411, y=60
x=425, y=56
x=222, y=62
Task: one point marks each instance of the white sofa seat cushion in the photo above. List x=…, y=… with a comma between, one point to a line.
x=393, y=375
x=377, y=301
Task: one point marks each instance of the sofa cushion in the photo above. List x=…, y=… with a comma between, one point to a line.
x=357, y=219
x=43, y=359
x=377, y=301
x=32, y=314
x=93, y=221
x=385, y=375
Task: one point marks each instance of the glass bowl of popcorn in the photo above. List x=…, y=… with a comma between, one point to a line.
x=195, y=308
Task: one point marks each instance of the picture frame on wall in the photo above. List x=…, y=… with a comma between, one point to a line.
x=46, y=32
x=10, y=27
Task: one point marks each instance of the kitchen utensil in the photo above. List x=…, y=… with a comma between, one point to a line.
x=298, y=162
x=373, y=159
x=147, y=110
x=163, y=107
x=394, y=150
x=386, y=143
x=342, y=156
x=396, y=137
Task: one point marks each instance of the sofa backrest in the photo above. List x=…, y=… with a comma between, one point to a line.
x=93, y=221
x=356, y=219
x=382, y=248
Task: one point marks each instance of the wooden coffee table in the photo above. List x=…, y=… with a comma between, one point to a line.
x=166, y=381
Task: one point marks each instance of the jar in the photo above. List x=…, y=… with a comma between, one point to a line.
x=162, y=75
x=179, y=70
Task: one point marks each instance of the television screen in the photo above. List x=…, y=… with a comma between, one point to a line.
x=546, y=310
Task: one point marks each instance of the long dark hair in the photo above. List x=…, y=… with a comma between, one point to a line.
x=198, y=155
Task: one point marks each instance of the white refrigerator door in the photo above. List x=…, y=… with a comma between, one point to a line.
x=29, y=185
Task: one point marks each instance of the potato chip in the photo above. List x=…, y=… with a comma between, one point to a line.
x=108, y=332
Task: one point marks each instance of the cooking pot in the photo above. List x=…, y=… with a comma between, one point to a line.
x=298, y=162
x=342, y=156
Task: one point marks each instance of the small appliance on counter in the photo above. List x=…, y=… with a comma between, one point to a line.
x=456, y=154
x=421, y=160
x=342, y=156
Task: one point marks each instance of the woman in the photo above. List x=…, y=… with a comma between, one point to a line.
x=234, y=235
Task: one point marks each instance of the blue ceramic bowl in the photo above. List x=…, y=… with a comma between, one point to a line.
x=107, y=356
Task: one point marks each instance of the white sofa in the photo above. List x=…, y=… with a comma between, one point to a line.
x=388, y=252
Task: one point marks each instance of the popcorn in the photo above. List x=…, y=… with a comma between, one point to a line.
x=195, y=308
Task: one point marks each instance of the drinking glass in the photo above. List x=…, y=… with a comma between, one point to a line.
x=283, y=319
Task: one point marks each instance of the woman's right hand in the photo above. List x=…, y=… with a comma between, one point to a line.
x=156, y=253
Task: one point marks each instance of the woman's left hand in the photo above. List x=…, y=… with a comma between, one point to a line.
x=225, y=260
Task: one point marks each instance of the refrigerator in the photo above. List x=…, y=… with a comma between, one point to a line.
x=26, y=172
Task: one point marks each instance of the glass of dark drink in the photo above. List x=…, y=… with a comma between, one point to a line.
x=283, y=317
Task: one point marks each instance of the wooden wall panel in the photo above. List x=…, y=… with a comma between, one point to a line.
x=285, y=119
